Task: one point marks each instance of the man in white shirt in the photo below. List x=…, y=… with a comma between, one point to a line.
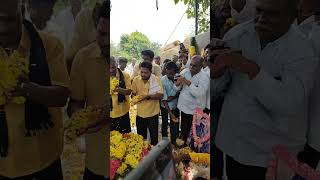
x=311, y=28
x=66, y=19
x=267, y=101
x=40, y=13
x=129, y=68
x=193, y=83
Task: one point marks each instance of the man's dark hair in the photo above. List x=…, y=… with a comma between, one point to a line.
x=102, y=11
x=148, y=53
x=147, y=65
x=113, y=60
x=209, y=46
x=172, y=65
x=166, y=61
x=156, y=57
x=123, y=60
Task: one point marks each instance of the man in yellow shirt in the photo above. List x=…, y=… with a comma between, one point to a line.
x=147, y=55
x=89, y=81
x=120, y=119
x=148, y=88
x=27, y=128
x=84, y=32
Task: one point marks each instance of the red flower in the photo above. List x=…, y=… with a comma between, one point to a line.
x=114, y=165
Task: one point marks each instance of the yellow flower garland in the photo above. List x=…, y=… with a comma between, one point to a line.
x=79, y=120
x=135, y=100
x=12, y=67
x=114, y=82
x=127, y=149
x=200, y=158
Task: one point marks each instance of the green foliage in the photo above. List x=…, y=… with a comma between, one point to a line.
x=62, y=4
x=203, y=12
x=131, y=45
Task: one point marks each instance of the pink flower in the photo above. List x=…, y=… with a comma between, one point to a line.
x=114, y=165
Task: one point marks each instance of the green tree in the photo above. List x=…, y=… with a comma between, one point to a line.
x=203, y=12
x=131, y=45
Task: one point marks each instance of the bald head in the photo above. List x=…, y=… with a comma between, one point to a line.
x=196, y=64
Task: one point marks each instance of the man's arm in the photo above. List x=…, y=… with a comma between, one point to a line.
x=74, y=106
x=201, y=89
x=286, y=94
x=51, y=96
x=127, y=90
x=165, y=103
x=57, y=94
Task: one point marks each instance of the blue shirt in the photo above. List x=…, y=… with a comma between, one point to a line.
x=168, y=91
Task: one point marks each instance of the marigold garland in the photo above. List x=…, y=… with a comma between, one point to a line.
x=129, y=149
x=79, y=121
x=114, y=82
x=12, y=67
x=200, y=158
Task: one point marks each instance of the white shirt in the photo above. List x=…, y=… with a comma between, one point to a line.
x=247, y=13
x=129, y=69
x=206, y=69
x=193, y=96
x=261, y=113
x=55, y=30
x=314, y=113
x=66, y=20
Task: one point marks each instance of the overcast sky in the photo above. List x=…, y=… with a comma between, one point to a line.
x=128, y=16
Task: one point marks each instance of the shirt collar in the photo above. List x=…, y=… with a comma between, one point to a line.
x=307, y=21
x=284, y=37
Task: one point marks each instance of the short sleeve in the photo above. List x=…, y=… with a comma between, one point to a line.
x=157, y=71
x=56, y=62
x=134, y=86
x=77, y=79
x=165, y=95
x=161, y=85
x=127, y=80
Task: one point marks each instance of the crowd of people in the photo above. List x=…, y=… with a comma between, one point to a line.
x=170, y=89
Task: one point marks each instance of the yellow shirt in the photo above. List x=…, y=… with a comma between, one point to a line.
x=120, y=109
x=84, y=33
x=156, y=70
x=89, y=80
x=28, y=155
x=146, y=108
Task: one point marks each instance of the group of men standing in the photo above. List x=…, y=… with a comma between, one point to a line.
x=163, y=88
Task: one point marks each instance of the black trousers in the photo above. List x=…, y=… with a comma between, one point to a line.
x=151, y=123
x=216, y=169
x=89, y=175
x=236, y=171
x=121, y=124
x=186, y=123
x=174, y=127
x=53, y=172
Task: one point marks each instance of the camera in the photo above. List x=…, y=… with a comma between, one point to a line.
x=176, y=76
